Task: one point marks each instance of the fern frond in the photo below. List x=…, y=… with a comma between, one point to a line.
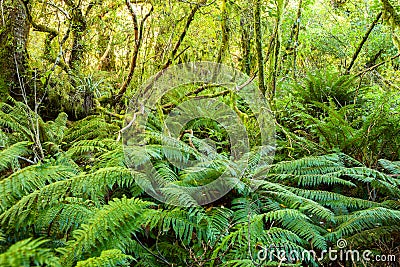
x=311, y=171
x=180, y=221
x=28, y=251
x=65, y=216
x=219, y=220
x=15, y=118
x=300, y=224
x=108, y=258
x=93, y=147
x=111, y=226
x=368, y=237
x=9, y=155
x=29, y=179
x=333, y=199
x=93, y=186
x=365, y=220
x=112, y=158
x=53, y=131
x=89, y=128
x=392, y=167
x=377, y=179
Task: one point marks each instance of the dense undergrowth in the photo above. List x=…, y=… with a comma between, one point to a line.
x=67, y=197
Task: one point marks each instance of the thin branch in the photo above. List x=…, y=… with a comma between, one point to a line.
x=174, y=51
x=376, y=66
x=120, y=132
x=208, y=86
x=182, y=36
x=195, y=92
x=65, y=13
x=27, y=160
x=183, y=51
x=259, y=50
x=103, y=109
x=2, y=13
x=160, y=257
x=222, y=93
x=365, y=38
x=57, y=61
x=296, y=29
x=35, y=130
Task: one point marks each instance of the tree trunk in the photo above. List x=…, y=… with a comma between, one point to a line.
x=78, y=31
x=274, y=50
x=258, y=37
x=246, y=37
x=14, y=31
x=296, y=29
x=225, y=32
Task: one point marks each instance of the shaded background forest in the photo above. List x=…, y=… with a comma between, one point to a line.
x=329, y=68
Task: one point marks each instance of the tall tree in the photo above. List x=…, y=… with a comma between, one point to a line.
x=14, y=31
x=78, y=29
x=225, y=32
x=258, y=38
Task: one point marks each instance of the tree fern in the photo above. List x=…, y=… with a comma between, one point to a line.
x=86, y=196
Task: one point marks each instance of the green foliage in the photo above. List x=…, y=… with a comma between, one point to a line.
x=108, y=258
x=361, y=124
x=111, y=226
x=90, y=205
x=28, y=252
x=29, y=179
x=325, y=86
x=72, y=194
x=89, y=128
x=9, y=156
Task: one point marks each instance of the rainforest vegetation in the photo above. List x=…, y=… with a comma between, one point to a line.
x=70, y=69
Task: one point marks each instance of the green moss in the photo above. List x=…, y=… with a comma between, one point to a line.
x=391, y=13
x=3, y=90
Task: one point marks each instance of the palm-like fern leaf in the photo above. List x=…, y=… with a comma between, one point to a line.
x=10, y=155
x=28, y=251
x=112, y=226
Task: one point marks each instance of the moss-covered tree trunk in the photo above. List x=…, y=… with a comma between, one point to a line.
x=247, y=32
x=79, y=27
x=259, y=47
x=14, y=31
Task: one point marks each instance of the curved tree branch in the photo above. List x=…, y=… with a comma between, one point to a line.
x=138, y=29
